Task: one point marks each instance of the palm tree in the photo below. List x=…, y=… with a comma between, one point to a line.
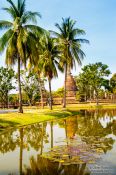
x=49, y=61
x=71, y=46
x=19, y=40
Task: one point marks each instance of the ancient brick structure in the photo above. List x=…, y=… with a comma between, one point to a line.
x=71, y=89
x=70, y=86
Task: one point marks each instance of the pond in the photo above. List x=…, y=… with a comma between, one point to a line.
x=78, y=145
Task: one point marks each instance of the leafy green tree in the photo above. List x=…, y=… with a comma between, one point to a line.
x=20, y=38
x=36, y=69
x=58, y=92
x=43, y=166
x=93, y=78
x=113, y=83
x=6, y=84
x=83, y=86
x=13, y=98
x=71, y=46
x=30, y=85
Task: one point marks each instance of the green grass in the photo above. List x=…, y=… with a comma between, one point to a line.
x=30, y=116
x=34, y=115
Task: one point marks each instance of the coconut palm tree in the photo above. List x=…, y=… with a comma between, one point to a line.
x=71, y=46
x=20, y=38
x=49, y=61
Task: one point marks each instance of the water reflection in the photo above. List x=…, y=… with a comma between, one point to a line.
x=43, y=166
x=66, y=146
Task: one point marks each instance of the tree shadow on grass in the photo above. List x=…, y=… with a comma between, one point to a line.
x=6, y=124
x=63, y=113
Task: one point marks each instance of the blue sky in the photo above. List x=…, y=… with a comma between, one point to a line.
x=96, y=17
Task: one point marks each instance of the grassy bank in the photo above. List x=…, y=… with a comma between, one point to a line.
x=33, y=115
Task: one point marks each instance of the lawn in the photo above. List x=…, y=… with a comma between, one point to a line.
x=34, y=115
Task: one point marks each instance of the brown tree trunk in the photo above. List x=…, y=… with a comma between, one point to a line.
x=21, y=150
x=82, y=169
x=66, y=134
x=42, y=135
x=52, y=134
x=50, y=94
x=19, y=84
x=97, y=98
x=41, y=93
x=64, y=99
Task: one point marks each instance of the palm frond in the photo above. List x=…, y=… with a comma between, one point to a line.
x=35, y=29
x=53, y=33
x=70, y=44
x=11, y=52
x=77, y=32
x=82, y=41
x=21, y=40
x=5, y=39
x=22, y=7
x=30, y=16
x=11, y=11
x=78, y=54
x=19, y=2
x=5, y=24
x=32, y=48
x=59, y=27
x=13, y=6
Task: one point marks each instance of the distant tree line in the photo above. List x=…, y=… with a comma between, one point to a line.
x=93, y=84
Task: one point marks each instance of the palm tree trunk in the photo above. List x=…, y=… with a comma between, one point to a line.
x=19, y=84
x=41, y=93
x=66, y=132
x=21, y=150
x=52, y=135
x=42, y=139
x=82, y=169
x=64, y=99
x=50, y=94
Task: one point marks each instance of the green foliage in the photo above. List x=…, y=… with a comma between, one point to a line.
x=19, y=38
x=113, y=83
x=58, y=93
x=92, y=79
x=71, y=44
x=49, y=58
x=30, y=86
x=48, y=63
x=13, y=98
x=6, y=84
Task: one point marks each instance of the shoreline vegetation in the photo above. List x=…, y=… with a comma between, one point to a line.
x=33, y=115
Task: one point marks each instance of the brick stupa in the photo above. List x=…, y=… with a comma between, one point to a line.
x=71, y=89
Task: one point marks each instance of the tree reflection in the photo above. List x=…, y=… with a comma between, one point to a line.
x=88, y=126
x=32, y=136
x=92, y=128
x=21, y=151
x=51, y=126
x=8, y=141
x=93, y=131
x=43, y=166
